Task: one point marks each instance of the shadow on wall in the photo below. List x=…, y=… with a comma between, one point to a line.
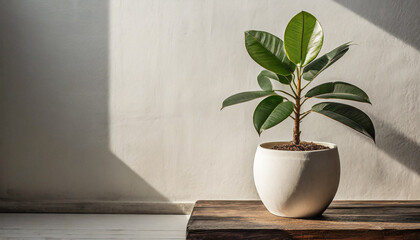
x=399, y=18
x=54, y=106
x=397, y=145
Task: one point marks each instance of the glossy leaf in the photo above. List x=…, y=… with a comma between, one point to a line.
x=339, y=90
x=245, y=97
x=316, y=67
x=303, y=38
x=347, y=115
x=270, y=112
x=285, y=79
x=267, y=50
x=265, y=82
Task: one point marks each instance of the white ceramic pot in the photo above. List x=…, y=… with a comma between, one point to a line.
x=298, y=184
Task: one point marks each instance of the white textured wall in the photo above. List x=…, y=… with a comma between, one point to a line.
x=120, y=100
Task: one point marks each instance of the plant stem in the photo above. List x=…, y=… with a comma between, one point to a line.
x=292, y=90
x=307, y=84
x=304, y=115
x=304, y=100
x=285, y=93
x=293, y=81
x=296, y=129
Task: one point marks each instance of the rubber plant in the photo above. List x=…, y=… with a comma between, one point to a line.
x=293, y=63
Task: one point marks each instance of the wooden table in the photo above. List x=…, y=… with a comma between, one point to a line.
x=342, y=220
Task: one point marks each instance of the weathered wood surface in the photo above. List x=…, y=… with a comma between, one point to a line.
x=342, y=220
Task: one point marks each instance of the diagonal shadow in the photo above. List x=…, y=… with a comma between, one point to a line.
x=399, y=18
x=397, y=145
x=54, y=106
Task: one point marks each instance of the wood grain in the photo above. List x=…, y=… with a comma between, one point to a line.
x=342, y=220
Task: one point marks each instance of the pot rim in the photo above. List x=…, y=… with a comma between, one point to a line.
x=330, y=146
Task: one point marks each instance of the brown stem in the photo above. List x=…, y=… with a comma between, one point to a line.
x=303, y=115
x=296, y=129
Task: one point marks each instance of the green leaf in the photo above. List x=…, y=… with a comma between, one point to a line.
x=264, y=80
x=316, y=67
x=347, y=115
x=267, y=50
x=339, y=90
x=270, y=112
x=303, y=38
x=285, y=79
x=265, y=76
x=244, y=97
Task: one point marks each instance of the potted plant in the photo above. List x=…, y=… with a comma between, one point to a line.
x=298, y=179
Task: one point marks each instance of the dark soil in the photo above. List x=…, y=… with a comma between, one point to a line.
x=302, y=146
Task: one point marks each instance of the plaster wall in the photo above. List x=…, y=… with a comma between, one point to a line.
x=120, y=100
